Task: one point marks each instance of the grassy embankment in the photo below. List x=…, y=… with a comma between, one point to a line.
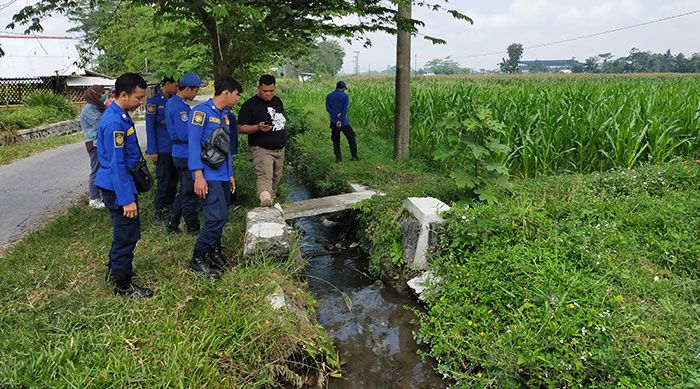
x=39, y=109
x=62, y=326
x=568, y=280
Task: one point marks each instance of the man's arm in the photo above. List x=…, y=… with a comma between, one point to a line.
x=118, y=174
x=151, y=142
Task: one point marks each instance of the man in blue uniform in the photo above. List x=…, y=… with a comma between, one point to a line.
x=337, y=105
x=159, y=148
x=212, y=183
x=177, y=116
x=118, y=151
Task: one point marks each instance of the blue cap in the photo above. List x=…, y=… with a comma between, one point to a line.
x=190, y=80
x=341, y=85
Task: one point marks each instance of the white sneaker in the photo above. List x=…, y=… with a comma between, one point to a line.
x=96, y=204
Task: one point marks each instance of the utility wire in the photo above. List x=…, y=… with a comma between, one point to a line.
x=584, y=36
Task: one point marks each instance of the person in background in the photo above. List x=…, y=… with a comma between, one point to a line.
x=177, y=115
x=159, y=148
x=118, y=152
x=262, y=118
x=110, y=98
x=89, y=122
x=337, y=106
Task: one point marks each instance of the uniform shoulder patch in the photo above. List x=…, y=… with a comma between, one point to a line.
x=151, y=108
x=198, y=118
x=130, y=131
x=183, y=116
x=118, y=139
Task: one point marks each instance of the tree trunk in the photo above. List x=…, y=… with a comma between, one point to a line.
x=220, y=40
x=402, y=110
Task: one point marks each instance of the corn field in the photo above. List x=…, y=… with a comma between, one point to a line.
x=555, y=124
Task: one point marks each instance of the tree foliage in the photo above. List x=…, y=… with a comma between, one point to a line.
x=515, y=53
x=445, y=66
x=240, y=34
x=643, y=62
x=325, y=58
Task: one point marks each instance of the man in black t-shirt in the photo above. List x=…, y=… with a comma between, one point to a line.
x=262, y=118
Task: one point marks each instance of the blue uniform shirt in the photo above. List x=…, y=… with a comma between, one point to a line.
x=203, y=120
x=117, y=150
x=177, y=116
x=158, y=140
x=233, y=129
x=338, y=103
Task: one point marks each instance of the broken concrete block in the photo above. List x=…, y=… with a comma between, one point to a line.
x=418, y=229
x=422, y=282
x=267, y=231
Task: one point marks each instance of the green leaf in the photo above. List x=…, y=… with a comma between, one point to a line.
x=464, y=179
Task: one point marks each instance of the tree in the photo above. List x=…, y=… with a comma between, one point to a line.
x=145, y=44
x=325, y=58
x=241, y=33
x=444, y=66
x=538, y=67
x=511, y=65
x=592, y=65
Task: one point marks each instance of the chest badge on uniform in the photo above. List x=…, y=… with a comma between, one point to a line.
x=151, y=108
x=131, y=131
x=198, y=118
x=183, y=116
x=118, y=139
x=215, y=120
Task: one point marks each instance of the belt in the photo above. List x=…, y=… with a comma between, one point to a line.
x=179, y=142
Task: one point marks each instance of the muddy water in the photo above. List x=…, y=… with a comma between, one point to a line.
x=373, y=330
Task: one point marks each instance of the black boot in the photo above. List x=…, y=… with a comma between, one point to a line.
x=128, y=288
x=173, y=226
x=217, y=259
x=200, y=264
x=338, y=159
x=162, y=216
x=355, y=158
x=192, y=226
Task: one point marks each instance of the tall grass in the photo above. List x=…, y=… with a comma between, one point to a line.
x=554, y=124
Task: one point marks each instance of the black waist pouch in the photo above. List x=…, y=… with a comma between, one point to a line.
x=215, y=149
x=142, y=176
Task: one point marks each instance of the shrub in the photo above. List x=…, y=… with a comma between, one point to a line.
x=62, y=105
x=572, y=285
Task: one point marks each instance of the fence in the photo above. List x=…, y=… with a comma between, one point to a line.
x=14, y=90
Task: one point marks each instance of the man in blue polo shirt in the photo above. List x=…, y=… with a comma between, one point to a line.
x=177, y=115
x=212, y=183
x=118, y=151
x=337, y=105
x=159, y=148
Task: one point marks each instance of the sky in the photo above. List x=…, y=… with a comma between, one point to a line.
x=498, y=23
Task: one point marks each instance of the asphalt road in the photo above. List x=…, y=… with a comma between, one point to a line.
x=34, y=189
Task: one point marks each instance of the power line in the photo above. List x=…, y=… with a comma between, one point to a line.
x=584, y=36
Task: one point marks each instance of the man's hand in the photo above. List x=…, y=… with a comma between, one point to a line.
x=262, y=127
x=232, y=181
x=338, y=124
x=200, y=184
x=154, y=157
x=131, y=210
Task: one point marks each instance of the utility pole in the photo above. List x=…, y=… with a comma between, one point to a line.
x=402, y=112
x=357, y=62
x=415, y=64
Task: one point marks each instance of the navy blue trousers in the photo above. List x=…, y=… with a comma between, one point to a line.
x=185, y=204
x=215, y=215
x=349, y=134
x=125, y=233
x=166, y=184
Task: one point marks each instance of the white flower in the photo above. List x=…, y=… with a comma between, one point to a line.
x=584, y=331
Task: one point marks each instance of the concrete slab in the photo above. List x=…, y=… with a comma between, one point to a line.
x=425, y=209
x=323, y=205
x=267, y=230
x=419, y=238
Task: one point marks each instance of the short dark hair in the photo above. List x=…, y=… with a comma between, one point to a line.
x=167, y=79
x=226, y=83
x=128, y=82
x=267, y=79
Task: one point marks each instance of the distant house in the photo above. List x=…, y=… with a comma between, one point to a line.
x=43, y=63
x=549, y=65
